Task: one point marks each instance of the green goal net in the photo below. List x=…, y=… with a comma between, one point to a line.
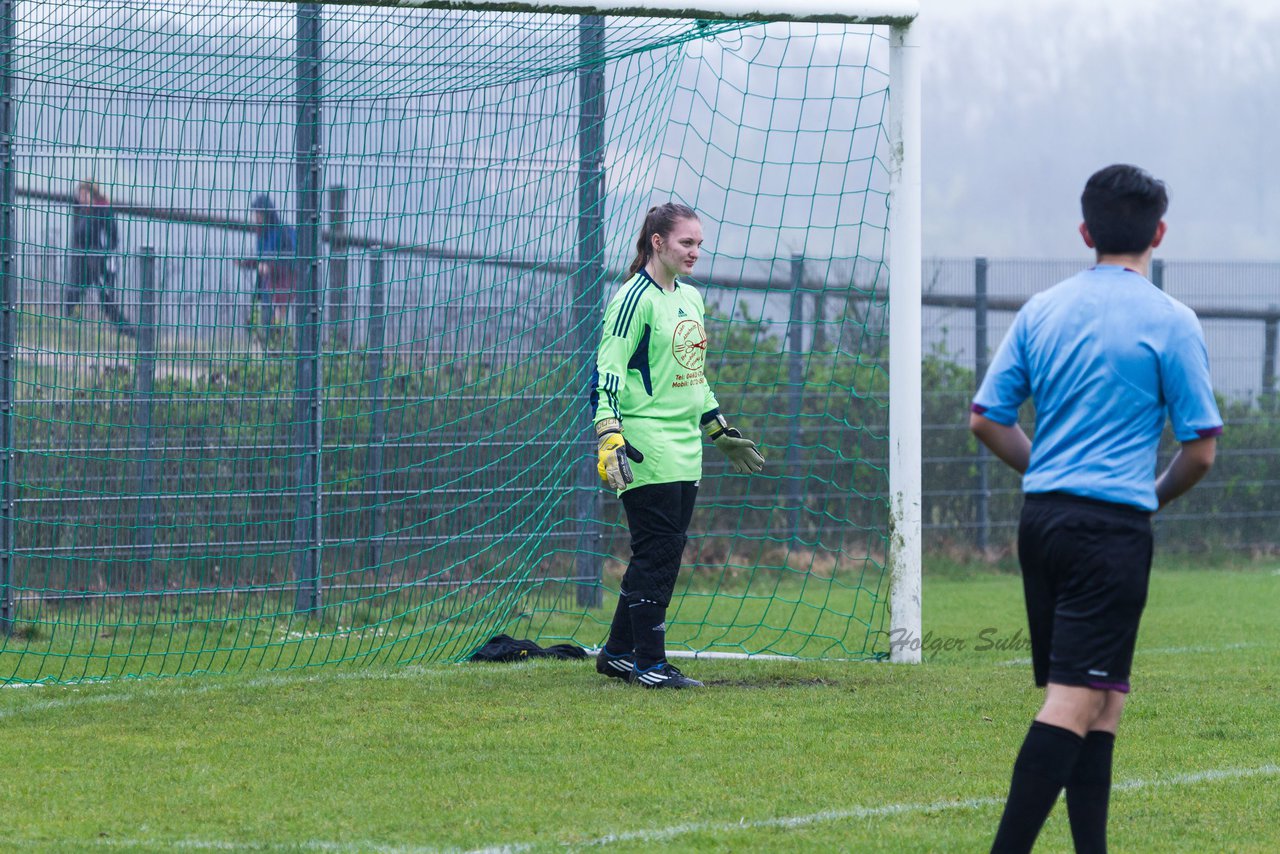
x=300, y=311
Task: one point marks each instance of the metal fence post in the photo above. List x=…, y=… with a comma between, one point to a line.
x=144, y=380
x=588, y=289
x=982, y=498
x=1269, y=358
x=795, y=393
x=338, y=248
x=373, y=381
x=7, y=326
x=308, y=393
x=819, y=320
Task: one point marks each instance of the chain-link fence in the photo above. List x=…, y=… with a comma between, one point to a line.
x=398, y=301
x=971, y=499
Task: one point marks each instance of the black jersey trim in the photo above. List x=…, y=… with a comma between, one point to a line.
x=631, y=302
x=639, y=361
x=630, y=299
x=610, y=387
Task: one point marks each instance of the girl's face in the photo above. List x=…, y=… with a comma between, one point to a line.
x=678, y=251
x=83, y=195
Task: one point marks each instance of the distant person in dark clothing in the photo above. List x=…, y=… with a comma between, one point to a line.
x=90, y=263
x=277, y=250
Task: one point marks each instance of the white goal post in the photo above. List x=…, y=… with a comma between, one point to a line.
x=905, y=354
x=891, y=12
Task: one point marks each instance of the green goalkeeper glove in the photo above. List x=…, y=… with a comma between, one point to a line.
x=612, y=454
x=741, y=451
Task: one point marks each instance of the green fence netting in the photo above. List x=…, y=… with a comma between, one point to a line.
x=303, y=307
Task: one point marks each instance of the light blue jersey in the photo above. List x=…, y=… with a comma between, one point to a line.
x=1106, y=357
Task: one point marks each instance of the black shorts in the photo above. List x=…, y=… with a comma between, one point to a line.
x=1085, y=570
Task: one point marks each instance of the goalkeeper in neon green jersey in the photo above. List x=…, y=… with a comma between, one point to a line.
x=652, y=404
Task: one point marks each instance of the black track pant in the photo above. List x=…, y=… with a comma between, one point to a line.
x=91, y=271
x=658, y=515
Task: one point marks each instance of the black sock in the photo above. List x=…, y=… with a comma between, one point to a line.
x=1043, y=766
x=620, y=638
x=649, y=631
x=1088, y=791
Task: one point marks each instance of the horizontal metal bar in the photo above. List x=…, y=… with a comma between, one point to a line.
x=1016, y=304
x=105, y=498
x=239, y=224
x=386, y=160
x=283, y=586
x=326, y=543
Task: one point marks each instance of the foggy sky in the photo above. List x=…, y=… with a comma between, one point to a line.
x=1023, y=100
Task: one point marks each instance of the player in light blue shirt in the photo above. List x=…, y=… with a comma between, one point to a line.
x=1106, y=357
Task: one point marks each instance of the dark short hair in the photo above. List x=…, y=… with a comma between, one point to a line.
x=1122, y=206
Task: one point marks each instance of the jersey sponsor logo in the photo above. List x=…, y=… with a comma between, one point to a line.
x=691, y=378
x=689, y=344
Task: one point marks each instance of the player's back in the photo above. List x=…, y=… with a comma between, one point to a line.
x=1104, y=352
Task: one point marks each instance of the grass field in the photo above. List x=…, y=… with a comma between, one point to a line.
x=548, y=756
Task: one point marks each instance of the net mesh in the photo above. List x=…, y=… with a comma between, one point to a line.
x=304, y=305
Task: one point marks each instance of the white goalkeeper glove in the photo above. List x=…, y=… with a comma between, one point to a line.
x=612, y=454
x=741, y=451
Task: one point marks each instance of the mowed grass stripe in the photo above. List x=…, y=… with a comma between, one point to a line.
x=453, y=757
x=668, y=833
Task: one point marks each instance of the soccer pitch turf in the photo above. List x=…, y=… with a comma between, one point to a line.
x=773, y=756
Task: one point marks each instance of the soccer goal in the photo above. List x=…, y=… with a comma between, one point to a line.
x=299, y=306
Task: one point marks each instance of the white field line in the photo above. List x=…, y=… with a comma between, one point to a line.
x=172, y=686
x=731, y=656
x=1166, y=650
x=225, y=845
x=653, y=835
x=664, y=834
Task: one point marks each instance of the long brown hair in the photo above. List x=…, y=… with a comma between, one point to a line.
x=660, y=220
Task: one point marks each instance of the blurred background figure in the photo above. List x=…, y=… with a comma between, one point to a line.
x=273, y=266
x=90, y=259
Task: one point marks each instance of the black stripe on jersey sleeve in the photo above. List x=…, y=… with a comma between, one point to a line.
x=643, y=280
x=629, y=301
x=611, y=393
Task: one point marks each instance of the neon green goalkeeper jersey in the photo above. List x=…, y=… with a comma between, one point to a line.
x=649, y=366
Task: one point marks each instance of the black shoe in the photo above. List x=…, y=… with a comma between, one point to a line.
x=616, y=666
x=664, y=675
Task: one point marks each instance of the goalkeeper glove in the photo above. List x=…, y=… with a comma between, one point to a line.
x=612, y=454
x=740, y=451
